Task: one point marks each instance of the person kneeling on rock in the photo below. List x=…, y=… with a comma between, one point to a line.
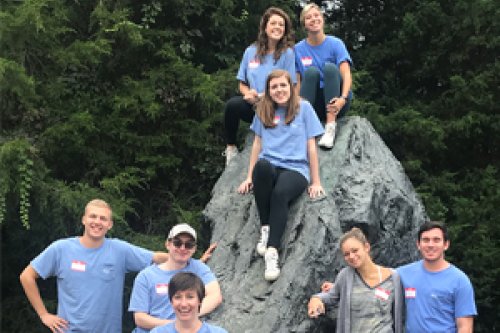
x=283, y=161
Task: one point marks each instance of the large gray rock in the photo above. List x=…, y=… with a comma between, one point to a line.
x=366, y=187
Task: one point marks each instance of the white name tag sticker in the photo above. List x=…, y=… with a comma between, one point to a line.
x=307, y=61
x=78, y=266
x=276, y=120
x=253, y=64
x=410, y=292
x=162, y=288
x=382, y=293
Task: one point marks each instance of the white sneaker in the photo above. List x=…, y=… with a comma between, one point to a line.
x=230, y=153
x=326, y=140
x=264, y=236
x=272, y=270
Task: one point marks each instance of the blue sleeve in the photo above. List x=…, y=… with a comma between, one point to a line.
x=46, y=263
x=139, y=298
x=464, y=299
x=257, y=126
x=313, y=125
x=242, y=71
x=290, y=64
x=341, y=53
x=204, y=272
x=136, y=258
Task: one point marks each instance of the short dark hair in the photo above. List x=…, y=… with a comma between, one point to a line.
x=186, y=281
x=432, y=225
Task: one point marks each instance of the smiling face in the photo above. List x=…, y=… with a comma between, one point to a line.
x=275, y=28
x=313, y=20
x=178, y=248
x=97, y=221
x=355, y=252
x=280, y=90
x=432, y=245
x=186, y=305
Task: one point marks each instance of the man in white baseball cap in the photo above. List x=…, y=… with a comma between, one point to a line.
x=149, y=300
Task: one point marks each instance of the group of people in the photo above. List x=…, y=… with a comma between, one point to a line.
x=286, y=91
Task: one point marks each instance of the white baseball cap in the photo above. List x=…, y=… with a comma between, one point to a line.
x=182, y=228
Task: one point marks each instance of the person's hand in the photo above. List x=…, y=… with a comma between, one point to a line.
x=208, y=253
x=336, y=104
x=326, y=286
x=245, y=186
x=251, y=96
x=315, y=307
x=315, y=191
x=54, y=323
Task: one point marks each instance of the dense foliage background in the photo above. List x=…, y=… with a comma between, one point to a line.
x=123, y=100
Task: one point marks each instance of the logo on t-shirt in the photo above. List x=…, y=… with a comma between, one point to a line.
x=77, y=265
x=162, y=288
x=307, y=61
x=410, y=292
x=254, y=63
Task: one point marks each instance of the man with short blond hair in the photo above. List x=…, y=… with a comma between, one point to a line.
x=90, y=273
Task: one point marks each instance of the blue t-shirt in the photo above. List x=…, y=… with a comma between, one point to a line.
x=286, y=145
x=435, y=299
x=332, y=50
x=205, y=328
x=254, y=72
x=90, y=281
x=150, y=291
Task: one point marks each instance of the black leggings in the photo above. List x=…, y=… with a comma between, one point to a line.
x=236, y=108
x=274, y=188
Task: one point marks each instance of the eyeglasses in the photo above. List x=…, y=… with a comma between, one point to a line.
x=187, y=245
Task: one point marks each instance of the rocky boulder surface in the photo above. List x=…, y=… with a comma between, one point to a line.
x=366, y=187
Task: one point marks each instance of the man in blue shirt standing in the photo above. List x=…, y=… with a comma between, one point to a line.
x=439, y=297
x=90, y=273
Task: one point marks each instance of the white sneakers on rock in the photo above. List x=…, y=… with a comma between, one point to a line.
x=272, y=269
x=264, y=236
x=230, y=153
x=326, y=140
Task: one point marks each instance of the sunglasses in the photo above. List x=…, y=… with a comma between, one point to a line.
x=187, y=245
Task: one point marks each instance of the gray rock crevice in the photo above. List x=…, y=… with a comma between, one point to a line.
x=366, y=187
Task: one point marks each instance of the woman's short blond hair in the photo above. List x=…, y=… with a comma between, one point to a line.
x=307, y=8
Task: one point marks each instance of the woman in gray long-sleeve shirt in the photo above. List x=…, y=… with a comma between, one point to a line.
x=369, y=297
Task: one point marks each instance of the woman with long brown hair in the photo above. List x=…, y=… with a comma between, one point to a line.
x=283, y=161
x=271, y=50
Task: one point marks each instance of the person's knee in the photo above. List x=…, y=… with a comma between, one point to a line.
x=331, y=70
x=234, y=104
x=263, y=168
x=311, y=74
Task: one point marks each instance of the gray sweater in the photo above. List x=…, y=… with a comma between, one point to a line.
x=340, y=295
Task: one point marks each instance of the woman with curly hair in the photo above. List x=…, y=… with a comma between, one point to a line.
x=272, y=50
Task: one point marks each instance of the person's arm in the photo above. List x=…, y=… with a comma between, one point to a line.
x=315, y=307
x=249, y=95
x=208, y=253
x=146, y=321
x=246, y=185
x=213, y=298
x=465, y=324
x=28, y=281
x=315, y=189
x=160, y=257
x=297, y=86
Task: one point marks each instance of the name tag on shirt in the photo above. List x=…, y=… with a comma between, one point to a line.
x=253, y=64
x=162, y=288
x=307, y=61
x=276, y=120
x=410, y=292
x=382, y=293
x=79, y=266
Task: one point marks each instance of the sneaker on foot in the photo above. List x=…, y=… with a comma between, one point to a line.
x=272, y=270
x=326, y=140
x=264, y=236
x=230, y=153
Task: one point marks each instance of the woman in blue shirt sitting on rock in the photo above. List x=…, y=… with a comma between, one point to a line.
x=272, y=50
x=369, y=297
x=283, y=161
